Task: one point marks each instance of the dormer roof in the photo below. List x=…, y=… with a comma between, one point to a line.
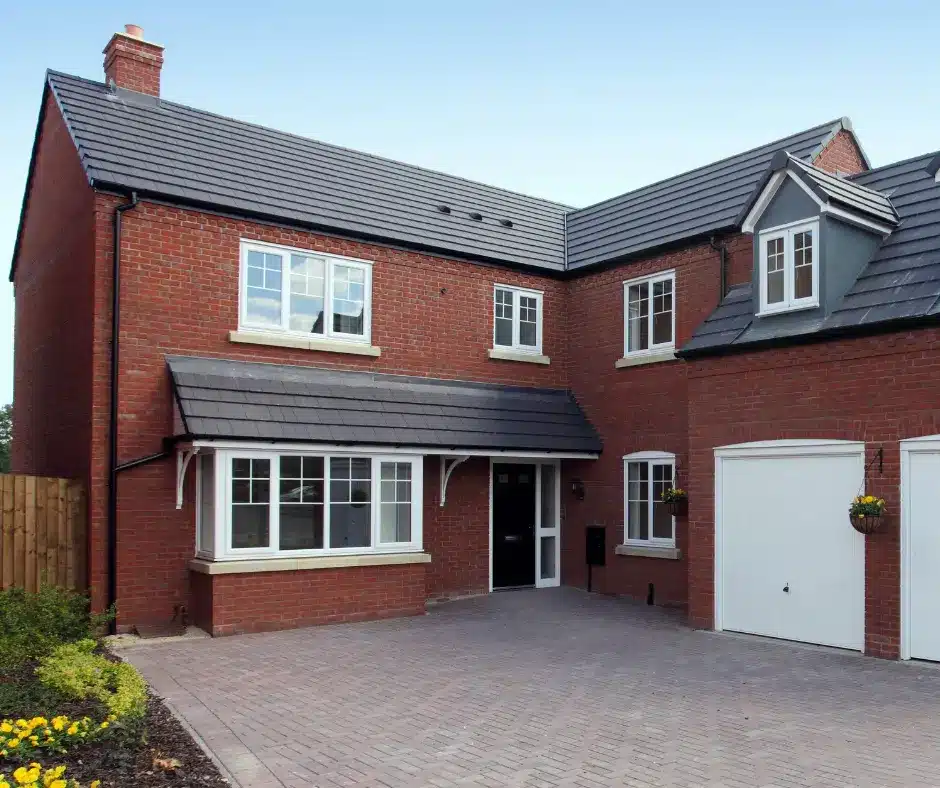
x=836, y=195
x=900, y=285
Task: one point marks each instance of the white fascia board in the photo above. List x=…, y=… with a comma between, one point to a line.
x=852, y=218
x=326, y=448
x=784, y=448
x=763, y=200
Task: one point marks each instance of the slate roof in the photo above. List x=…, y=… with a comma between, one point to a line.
x=155, y=147
x=901, y=282
x=707, y=200
x=244, y=400
x=847, y=193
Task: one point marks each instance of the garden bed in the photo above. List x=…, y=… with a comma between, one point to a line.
x=156, y=751
x=73, y=715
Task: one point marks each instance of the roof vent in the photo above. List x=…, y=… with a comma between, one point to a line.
x=477, y=217
x=505, y=222
x=443, y=208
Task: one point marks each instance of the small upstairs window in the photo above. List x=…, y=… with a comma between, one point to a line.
x=305, y=293
x=789, y=267
x=649, y=315
x=517, y=319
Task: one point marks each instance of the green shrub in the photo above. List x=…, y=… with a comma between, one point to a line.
x=74, y=670
x=33, y=624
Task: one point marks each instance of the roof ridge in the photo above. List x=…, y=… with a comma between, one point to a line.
x=717, y=162
x=387, y=160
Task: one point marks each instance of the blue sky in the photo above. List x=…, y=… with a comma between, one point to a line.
x=573, y=101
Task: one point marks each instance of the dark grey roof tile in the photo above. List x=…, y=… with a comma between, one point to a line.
x=367, y=408
x=696, y=203
x=181, y=153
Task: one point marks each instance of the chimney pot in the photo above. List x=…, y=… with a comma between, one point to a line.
x=134, y=31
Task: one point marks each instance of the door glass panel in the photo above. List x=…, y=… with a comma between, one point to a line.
x=549, y=515
x=547, y=569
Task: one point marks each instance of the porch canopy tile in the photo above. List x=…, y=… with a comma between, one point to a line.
x=232, y=400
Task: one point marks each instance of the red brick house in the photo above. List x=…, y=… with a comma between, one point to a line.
x=305, y=384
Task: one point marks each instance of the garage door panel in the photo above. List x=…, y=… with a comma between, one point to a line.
x=791, y=565
x=924, y=555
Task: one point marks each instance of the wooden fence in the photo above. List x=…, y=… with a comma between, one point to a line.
x=42, y=532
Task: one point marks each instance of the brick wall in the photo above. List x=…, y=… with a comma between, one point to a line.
x=180, y=295
x=133, y=64
x=842, y=154
x=264, y=601
x=875, y=389
x=53, y=289
x=458, y=535
x=641, y=408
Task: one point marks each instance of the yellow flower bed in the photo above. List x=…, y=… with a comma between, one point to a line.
x=21, y=738
x=34, y=776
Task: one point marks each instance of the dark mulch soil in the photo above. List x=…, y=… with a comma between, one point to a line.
x=160, y=752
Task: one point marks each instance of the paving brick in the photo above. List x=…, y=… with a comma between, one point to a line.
x=548, y=689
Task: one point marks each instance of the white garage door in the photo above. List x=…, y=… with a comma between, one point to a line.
x=788, y=563
x=920, y=476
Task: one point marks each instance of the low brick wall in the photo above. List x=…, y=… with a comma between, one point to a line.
x=264, y=601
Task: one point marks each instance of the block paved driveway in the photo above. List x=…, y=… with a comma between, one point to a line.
x=548, y=688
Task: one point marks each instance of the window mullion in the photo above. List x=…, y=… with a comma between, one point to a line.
x=650, y=492
x=326, y=503
x=327, y=297
x=274, y=504
x=285, y=291
x=516, y=301
x=376, y=501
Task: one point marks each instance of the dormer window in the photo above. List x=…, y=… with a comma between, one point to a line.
x=789, y=267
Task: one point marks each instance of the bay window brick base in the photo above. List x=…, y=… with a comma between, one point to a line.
x=233, y=604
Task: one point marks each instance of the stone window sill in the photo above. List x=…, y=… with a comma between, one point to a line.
x=644, y=551
x=288, y=340
x=640, y=360
x=514, y=355
x=250, y=566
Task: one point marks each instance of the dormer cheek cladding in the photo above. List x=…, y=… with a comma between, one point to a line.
x=841, y=250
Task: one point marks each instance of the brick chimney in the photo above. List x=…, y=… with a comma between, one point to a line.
x=133, y=63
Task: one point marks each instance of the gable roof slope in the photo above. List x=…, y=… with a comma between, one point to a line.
x=703, y=201
x=129, y=141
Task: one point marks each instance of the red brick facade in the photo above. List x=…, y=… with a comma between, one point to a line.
x=842, y=154
x=53, y=289
x=265, y=601
x=815, y=391
x=432, y=316
x=180, y=296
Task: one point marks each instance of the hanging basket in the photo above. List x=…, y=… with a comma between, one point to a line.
x=678, y=507
x=865, y=523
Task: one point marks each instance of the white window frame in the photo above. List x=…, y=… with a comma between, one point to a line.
x=222, y=549
x=653, y=349
x=330, y=261
x=788, y=233
x=516, y=347
x=650, y=458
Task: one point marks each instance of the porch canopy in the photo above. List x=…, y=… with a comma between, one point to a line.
x=221, y=400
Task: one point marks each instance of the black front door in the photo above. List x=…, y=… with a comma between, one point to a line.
x=513, y=525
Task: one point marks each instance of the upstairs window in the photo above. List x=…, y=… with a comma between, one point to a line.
x=517, y=319
x=789, y=268
x=306, y=293
x=649, y=314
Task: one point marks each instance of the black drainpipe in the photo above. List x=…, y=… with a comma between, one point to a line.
x=723, y=270
x=113, y=416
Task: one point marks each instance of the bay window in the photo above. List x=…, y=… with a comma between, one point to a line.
x=299, y=503
x=292, y=291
